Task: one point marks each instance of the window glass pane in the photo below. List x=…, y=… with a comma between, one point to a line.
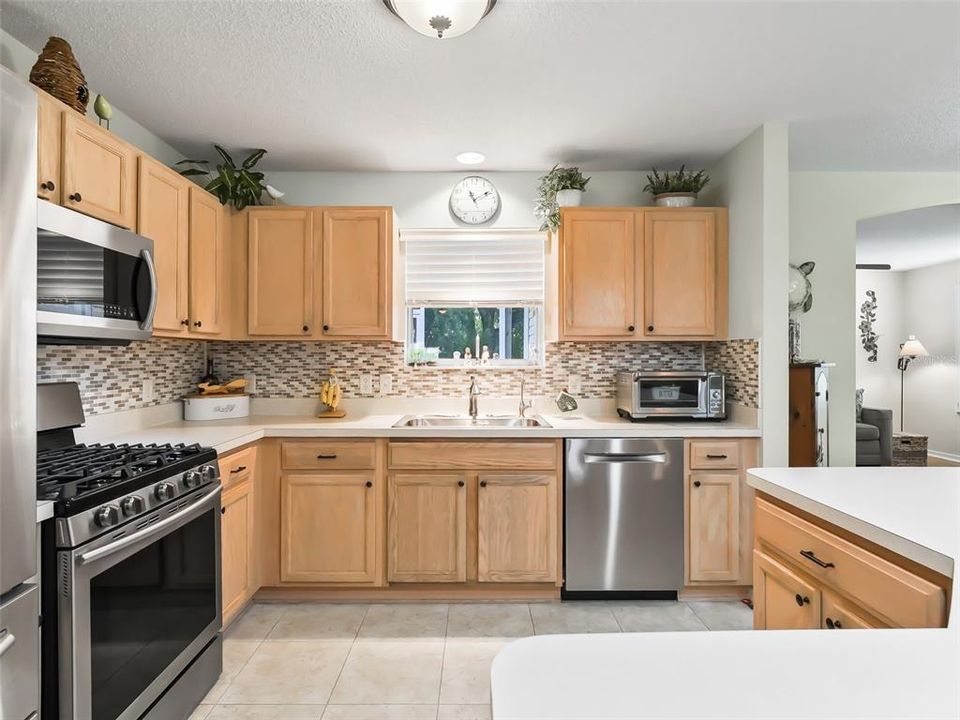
x=510, y=334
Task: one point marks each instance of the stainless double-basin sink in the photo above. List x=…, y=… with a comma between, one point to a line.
x=465, y=421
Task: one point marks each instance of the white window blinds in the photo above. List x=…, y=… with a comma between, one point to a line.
x=473, y=267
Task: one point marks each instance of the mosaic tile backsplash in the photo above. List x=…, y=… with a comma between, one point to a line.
x=111, y=378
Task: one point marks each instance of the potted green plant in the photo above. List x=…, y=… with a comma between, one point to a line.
x=561, y=187
x=676, y=189
x=240, y=186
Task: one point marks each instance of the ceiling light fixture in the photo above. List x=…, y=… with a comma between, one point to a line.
x=441, y=18
x=471, y=158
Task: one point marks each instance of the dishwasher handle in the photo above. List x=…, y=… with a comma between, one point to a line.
x=616, y=458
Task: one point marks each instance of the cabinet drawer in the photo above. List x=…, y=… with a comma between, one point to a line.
x=329, y=455
x=714, y=454
x=473, y=455
x=880, y=586
x=237, y=467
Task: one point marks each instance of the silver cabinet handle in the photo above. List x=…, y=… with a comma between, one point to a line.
x=591, y=458
x=7, y=642
x=131, y=539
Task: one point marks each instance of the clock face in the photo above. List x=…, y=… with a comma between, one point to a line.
x=474, y=200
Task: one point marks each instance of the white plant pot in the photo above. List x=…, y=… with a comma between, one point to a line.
x=569, y=198
x=675, y=199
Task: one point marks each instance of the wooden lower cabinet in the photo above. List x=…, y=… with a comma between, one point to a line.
x=517, y=528
x=237, y=559
x=838, y=614
x=782, y=598
x=714, y=526
x=328, y=530
x=426, y=528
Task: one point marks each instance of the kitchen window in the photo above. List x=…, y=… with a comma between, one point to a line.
x=474, y=298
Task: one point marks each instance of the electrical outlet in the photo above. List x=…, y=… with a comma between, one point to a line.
x=251, y=379
x=386, y=384
x=574, y=385
x=366, y=384
x=146, y=391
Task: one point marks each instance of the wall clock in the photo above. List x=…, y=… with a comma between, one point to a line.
x=474, y=200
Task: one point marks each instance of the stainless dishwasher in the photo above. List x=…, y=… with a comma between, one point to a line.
x=623, y=516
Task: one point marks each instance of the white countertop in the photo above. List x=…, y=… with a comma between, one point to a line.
x=224, y=435
x=908, y=674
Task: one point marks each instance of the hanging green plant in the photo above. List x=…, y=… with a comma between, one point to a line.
x=238, y=186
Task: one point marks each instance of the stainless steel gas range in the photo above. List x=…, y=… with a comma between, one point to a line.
x=131, y=572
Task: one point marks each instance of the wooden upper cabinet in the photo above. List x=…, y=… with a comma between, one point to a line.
x=598, y=274
x=164, y=201
x=281, y=272
x=237, y=549
x=99, y=172
x=49, y=142
x=206, y=261
x=782, y=599
x=517, y=528
x=714, y=525
x=328, y=528
x=427, y=528
x=681, y=259
x=356, y=272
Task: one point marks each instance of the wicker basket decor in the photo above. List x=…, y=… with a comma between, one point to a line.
x=57, y=72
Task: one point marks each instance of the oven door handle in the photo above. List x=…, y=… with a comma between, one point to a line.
x=147, y=323
x=132, y=539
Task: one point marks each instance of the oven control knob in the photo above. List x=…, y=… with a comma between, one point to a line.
x=209, y=473
x=192, y=479
x=107, y=515
x=163, y=491
x=132, y=505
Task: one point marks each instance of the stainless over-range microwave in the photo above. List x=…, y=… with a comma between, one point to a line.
x=671, y=393
x=96, y=282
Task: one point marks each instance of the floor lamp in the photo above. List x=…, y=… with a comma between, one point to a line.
x=909, y=350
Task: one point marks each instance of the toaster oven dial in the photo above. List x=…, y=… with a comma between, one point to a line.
x=106, y=516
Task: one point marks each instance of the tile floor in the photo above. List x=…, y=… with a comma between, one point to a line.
x=316, y=661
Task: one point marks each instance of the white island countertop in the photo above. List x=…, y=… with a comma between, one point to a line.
x=864, y=674
x=225, y=435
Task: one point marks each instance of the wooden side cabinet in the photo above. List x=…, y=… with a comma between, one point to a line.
x=328, y=528
x=206, y=264
x=782, y=599
x=49, y=141
x=237, y=549
x=517, y=528
x=99, y=172
x=714, y=526
x=427, y=527
x=282, y=272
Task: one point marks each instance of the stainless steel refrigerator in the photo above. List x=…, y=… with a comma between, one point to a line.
x=19, y=598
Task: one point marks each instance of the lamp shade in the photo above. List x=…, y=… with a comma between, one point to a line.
x=441, y=19
x=913, y=348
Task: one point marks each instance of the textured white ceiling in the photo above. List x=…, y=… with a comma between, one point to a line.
x=911, y=239
x=609, y=85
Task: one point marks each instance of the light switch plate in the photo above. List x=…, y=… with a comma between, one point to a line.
x=147, y=391
x=386, y=384
x=366, y=384
x=574, y=384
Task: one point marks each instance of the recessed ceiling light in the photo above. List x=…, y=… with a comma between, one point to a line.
x=471, y=158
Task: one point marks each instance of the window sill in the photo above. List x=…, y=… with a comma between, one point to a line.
x=476, y=367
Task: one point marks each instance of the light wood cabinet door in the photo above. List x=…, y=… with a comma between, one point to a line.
x=328, y=528
x=99, y=173
x=281, y=271
x=839, y=614
x=714, y=526
x=164, y=202
x=426, y=528
x=237, y=549
x=598, y=274
x=782, y=599
x=206, y=261
x=356, y=274
x=49, y=142
x=679, y=272
x=517, y=528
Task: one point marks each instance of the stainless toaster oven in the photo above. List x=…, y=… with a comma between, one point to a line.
x=671, y=393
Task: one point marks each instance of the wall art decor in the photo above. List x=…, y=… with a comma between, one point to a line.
x=868, y=316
